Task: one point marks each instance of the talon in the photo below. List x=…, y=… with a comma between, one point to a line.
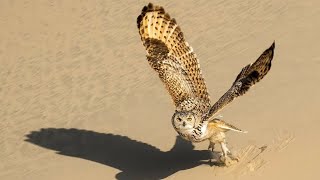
x=210, y=162
x=227, y=156
x=228, y=161
x=211, y=146
x=235, y=158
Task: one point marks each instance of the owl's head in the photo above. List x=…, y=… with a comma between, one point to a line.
x=183, y=120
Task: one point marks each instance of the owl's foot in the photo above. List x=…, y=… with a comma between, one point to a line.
x=227, y=158
x=211, y=148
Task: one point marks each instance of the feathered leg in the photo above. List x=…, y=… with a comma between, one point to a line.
x=227, y=156
x=211, y=148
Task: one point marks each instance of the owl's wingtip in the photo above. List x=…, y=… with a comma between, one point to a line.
x=149, y=8
x=273, y=45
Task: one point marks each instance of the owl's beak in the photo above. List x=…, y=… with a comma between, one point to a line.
x=184, y=123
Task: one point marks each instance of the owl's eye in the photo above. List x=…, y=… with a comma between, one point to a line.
x=189, y=119
x=179, y=119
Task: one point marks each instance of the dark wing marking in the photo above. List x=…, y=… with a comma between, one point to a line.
x=249, y=75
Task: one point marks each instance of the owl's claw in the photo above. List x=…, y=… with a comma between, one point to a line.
x=212, y=158
x=211, y=146
x=227, y=158
x=232, y=157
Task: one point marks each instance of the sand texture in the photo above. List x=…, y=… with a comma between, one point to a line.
x=78, y=99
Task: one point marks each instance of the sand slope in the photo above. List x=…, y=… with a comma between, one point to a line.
x=79, y=101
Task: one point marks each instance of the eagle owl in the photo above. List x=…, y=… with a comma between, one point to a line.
x=177, y=65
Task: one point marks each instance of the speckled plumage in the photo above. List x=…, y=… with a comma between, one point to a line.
x=178, y=68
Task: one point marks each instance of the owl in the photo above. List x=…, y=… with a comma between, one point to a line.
x=178, y=68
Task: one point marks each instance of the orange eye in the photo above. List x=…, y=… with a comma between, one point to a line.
x=189, y=119
x=179, y=119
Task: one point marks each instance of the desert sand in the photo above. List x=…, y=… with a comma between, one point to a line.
x=79, y=100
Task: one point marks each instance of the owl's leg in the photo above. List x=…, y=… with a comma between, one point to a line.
x=211, y=148
x=227, y=156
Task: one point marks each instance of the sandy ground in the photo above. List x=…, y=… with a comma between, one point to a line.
x=79, y=100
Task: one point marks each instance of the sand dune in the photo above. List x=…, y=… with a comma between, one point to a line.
x=79, y=100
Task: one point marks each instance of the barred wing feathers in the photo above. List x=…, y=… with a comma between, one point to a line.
x=171, y=56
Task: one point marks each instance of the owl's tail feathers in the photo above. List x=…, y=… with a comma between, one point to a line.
x=224, y=125
x=155, y=25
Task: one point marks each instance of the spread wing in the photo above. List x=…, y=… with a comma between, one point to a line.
x=248, y=76
x=171, y=56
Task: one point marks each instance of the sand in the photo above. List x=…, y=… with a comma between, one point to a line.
x=78, y=99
